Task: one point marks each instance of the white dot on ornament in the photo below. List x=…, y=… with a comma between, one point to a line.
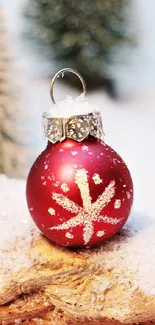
x=85, y=148
x=100, y=233
x=44, y=183
x=117, y=204
x=61, y=150
x=57, y=183
x=89, y=153
x=65, y=187
x=96, y=178
x=124, y=185
x=101, y=153
x=69, y=235
x=74, y=153
x=31, y=209
x=46, y=166
x=53, y=177
x=42, y=177
x=114, y=161
x=51, y=211
x=128, y=195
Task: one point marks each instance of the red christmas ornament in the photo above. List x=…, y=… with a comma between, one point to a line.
x=78, y=193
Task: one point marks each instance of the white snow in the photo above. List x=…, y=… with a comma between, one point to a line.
x=69, y=107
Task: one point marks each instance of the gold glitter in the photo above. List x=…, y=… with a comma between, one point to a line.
x=81, y=180
x=105, y=197
x=96, y=178
x=51, y=211
x=117, y=204
x=65, y=187
x=90, y=212
x=112, y=221
x=69, y=235
x=88, y=231
x=100, y=233
x=65, y=203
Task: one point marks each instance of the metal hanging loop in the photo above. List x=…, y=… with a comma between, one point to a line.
x=62, y=71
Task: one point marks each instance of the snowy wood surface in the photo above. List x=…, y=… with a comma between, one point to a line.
x=133, y=251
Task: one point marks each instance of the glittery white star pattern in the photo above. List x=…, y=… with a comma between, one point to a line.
x=90, y=212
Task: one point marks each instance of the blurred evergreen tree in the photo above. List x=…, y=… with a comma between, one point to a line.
x=15, y=151
x=79, y=34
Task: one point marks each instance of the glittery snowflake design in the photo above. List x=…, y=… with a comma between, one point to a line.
x=90, y=212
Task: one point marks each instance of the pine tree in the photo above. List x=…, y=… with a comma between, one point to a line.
x=13, y=154
x=4, y=69
x=79, y=34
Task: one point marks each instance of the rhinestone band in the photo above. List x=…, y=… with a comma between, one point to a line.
x=77, y=127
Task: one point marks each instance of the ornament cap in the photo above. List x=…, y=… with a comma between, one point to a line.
x=76, y=127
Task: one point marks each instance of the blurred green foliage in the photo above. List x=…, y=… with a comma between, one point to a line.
x=79, y=34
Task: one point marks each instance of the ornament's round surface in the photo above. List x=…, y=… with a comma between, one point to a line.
x=79, y=194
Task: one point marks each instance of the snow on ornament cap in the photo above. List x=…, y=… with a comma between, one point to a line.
x=59, y=124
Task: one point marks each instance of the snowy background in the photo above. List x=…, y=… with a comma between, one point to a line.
x=129, y=123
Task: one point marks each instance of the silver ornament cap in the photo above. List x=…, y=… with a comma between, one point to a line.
x=76, y=127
